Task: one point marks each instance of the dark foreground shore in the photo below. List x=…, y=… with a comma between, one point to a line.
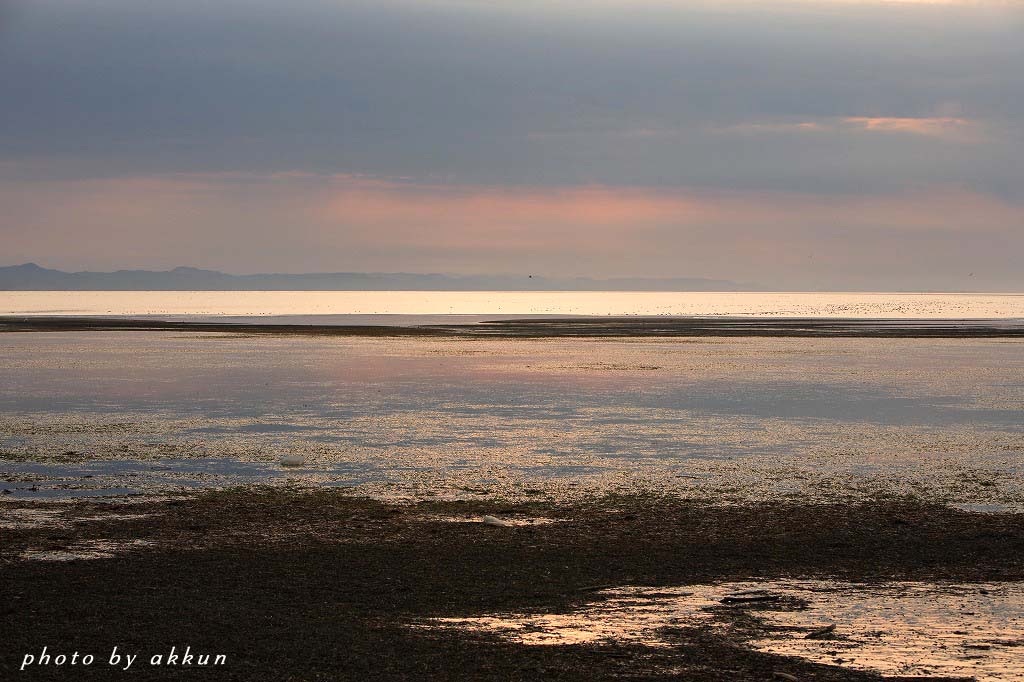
x=318, y=585
x=569, y=327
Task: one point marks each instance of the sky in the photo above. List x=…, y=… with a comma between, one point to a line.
x=795, y=144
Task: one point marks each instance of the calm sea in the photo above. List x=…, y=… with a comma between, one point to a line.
x=294, y=304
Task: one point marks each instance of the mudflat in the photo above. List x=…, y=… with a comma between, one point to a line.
x=310, y=584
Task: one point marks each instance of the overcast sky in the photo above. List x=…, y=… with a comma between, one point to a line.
x=826, y=145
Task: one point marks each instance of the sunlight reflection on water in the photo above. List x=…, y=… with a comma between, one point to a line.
x=498, y=303
x=897, y=628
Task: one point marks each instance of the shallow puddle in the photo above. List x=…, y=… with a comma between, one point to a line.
x=89, y=549
x=492, y=520
x=38, y=517
x=897, y=628
x=43, y=515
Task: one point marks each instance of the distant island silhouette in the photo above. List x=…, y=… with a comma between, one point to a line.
x=32, y=277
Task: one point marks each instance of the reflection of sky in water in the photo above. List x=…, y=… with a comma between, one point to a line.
x=942, y=631
x=864, y=407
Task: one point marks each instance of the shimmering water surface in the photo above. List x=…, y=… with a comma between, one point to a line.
x=720, y=419
x=904, y=629
x=294, y=304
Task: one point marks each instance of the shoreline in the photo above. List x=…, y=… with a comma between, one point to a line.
x=561, y=327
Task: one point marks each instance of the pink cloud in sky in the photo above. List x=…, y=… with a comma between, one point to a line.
x=936, y=126
x=948, y=127
x=306, y=222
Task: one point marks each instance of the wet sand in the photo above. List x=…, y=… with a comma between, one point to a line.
x=307, y=585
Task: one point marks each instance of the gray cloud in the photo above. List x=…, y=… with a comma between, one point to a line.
x=486, y=92
x=816, y=102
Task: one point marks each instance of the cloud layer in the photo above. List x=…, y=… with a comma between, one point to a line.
x=829, y=144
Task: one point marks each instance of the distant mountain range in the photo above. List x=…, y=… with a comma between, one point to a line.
x=31, y=277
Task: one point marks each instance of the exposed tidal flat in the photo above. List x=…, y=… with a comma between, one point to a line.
x=478, y=507
x=725, y=420
x=319, y=584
